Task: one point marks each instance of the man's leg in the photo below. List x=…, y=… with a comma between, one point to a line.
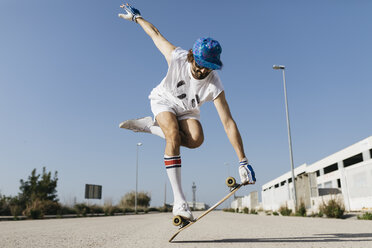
x=144, y=125
x=172, y=159
x=191, y=132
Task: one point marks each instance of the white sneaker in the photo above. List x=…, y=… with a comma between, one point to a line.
x=138, y=125
x=183, y=210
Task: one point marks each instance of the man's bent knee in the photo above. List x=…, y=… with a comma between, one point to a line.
x=193, y=142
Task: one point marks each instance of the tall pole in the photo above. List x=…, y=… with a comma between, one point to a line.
x=135, y=197
x=193, y=196
x=281, y=67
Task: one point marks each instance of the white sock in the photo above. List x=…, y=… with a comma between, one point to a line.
x=173, y=166
x=157, y=131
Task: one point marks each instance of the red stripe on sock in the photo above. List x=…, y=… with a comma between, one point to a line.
x=172, y=162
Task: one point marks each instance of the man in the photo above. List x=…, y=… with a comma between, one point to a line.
x=191, y=80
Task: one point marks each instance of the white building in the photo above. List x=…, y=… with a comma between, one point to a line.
x=347, y=172
x=250, y=201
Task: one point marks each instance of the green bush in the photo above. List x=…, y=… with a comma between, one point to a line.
x=128, y=200
x=34, y=210
x=4, y=205
x=111, y=210
x=275, y=213
x=301, y=210
x=314, y=214
x=82, y=209
x=166, y=208
x=50, y=207
x=16, y=211
x=365, y=216
x=285, y=211
x=246, y=210
x=66, y=210
x=253, y=211
x=152, y=209
x=333, y=209
x=128, y=210
x=230, y=210
x=96, y=209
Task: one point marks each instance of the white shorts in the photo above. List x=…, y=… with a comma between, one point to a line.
x=163, y=105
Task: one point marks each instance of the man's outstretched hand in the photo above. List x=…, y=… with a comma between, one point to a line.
x=131, y=13
x=246, y=172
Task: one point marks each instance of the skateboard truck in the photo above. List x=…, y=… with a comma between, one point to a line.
x=183, y=223
x=231, y=183
x=180, y=221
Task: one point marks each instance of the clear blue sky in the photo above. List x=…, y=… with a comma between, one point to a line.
x=71, y=71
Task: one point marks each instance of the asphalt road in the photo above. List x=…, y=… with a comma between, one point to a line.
x=218, y=229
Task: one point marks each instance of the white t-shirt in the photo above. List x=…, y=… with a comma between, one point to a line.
x=181, y=88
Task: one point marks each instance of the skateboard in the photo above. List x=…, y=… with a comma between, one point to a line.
x=183, y=224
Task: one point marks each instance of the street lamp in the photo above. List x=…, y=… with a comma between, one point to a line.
x=282, y=67
x=135, y=197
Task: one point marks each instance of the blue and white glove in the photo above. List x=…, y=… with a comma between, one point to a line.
x=246, y=172
x=131, y=13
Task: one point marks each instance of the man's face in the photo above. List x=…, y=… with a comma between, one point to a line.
x=199, y=72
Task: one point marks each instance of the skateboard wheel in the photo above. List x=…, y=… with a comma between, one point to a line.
x=230, y=182
x=177, y=220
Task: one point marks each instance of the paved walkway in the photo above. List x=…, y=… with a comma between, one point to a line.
x=218, y=229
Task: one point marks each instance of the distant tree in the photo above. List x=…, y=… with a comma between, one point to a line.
x=39, y=186
x=4, y=205
x=128, y=200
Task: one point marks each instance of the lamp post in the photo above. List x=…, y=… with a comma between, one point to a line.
x=135, y=197
x=282, y=67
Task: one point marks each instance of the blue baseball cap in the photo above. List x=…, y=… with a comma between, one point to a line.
x=207, y=53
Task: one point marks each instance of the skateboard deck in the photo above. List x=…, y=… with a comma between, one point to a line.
x=233, y=190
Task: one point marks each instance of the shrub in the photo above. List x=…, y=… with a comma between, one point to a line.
x=301, y=210
x=34, y=210
x=166, y=208
x=365, y=216
x=82, y=209
x=332, y=209
x=320, y=214
x=128, y=200
x=230, y=210
x=275, y=213
x=50, y=207
x=313, y=214
x=253, y=211
x=95, y=209
x=4, y=205
x=109, y=209
x=285, y=211
x=246, y=210
x=128, y=210
x=66, y=210
x=152, y=209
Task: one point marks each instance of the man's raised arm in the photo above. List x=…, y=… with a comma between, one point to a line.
x=164, y=46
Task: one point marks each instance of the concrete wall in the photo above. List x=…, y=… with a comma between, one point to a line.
x=354, y=181
x=359, y=186
x=250, y=201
